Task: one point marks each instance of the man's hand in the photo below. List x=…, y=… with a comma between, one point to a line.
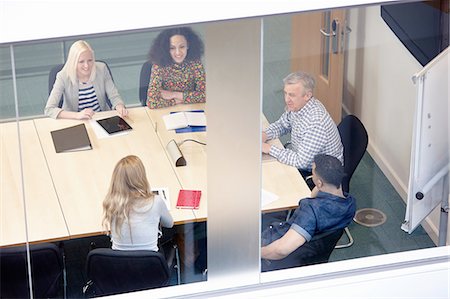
x=266, y=147
x=263, y=137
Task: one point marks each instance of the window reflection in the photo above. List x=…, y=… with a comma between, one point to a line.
x=376, y=191
x=373, y=61
x=78, y=233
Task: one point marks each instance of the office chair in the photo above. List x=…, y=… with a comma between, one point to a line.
x=354, y=139
x=144, y=80
x=316, y=251
x=52, y=78
x=118, y=271
x=47, y=271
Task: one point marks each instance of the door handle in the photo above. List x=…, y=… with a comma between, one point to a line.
x=326, y=33
x=333, y=34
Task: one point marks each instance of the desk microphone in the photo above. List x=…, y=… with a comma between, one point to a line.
x=175, y=153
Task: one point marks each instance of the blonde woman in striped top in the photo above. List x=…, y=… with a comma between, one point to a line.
x=85, y=85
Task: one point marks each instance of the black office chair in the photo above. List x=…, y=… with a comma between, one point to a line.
x=316, y=251
x=354, y=139
x=47, y=271
x=144, y=80
x=52, y=78
x=118, y=271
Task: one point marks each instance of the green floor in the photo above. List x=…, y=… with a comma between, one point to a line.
x=372, y=190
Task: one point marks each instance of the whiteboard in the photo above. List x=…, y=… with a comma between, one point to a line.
x=430, y=148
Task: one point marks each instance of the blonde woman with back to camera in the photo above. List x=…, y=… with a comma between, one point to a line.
x=85, y=85
x=131, y=211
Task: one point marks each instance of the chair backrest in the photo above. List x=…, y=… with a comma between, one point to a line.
x=354, y=139
x=316, y=251
x=46, y=266
x=118, y=271
x=144, y=80
x=52, y=78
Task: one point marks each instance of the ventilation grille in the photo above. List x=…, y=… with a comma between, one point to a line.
x=370, y=217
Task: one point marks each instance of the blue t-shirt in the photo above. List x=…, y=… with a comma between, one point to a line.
x=322, y=213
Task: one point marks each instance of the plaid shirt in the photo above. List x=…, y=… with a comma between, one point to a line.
x=312, y=132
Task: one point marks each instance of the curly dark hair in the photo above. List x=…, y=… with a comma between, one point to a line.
x=159, y=51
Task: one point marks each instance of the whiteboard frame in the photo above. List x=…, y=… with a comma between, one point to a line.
x=424, y=197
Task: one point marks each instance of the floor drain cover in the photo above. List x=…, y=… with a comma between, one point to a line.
x=370, y=217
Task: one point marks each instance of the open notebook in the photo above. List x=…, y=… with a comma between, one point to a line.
x=183, y=119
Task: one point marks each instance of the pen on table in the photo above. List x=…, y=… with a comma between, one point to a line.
x=164, y=194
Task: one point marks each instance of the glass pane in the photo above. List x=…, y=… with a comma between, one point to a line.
x=372, y=53
x=73, y=214
x=55, y=187
x=6, y=91
x=13, y=226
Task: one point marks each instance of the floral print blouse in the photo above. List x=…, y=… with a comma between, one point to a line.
x=188, y=77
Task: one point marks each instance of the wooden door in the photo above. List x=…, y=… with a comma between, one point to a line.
x=318, y=44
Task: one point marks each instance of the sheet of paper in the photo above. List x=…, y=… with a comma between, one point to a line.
x=175, y=121
x=196, y=118
x=164, y=193
x=267, y=197
x=101, y=133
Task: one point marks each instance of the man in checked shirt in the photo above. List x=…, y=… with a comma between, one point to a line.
x=312, y=129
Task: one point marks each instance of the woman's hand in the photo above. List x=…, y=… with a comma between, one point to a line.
x=169, y=95
x=85, y=114
x=120, y=108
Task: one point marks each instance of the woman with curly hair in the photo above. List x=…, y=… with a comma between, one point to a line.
x=178, y=75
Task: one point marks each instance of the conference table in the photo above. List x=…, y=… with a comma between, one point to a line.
x=278, y=179
x=82, y=178
x=44, y=216
x=64, y=191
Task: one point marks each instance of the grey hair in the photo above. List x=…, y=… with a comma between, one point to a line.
x=306, y=79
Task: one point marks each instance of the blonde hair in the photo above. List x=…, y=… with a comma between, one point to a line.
x=129, y=186
x=70, y=67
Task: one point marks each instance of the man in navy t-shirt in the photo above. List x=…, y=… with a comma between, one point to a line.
x=328, y=209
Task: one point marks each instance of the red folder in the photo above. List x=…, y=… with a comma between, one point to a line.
x=189, y=199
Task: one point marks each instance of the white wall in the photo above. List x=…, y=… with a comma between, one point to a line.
x=379, y=90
